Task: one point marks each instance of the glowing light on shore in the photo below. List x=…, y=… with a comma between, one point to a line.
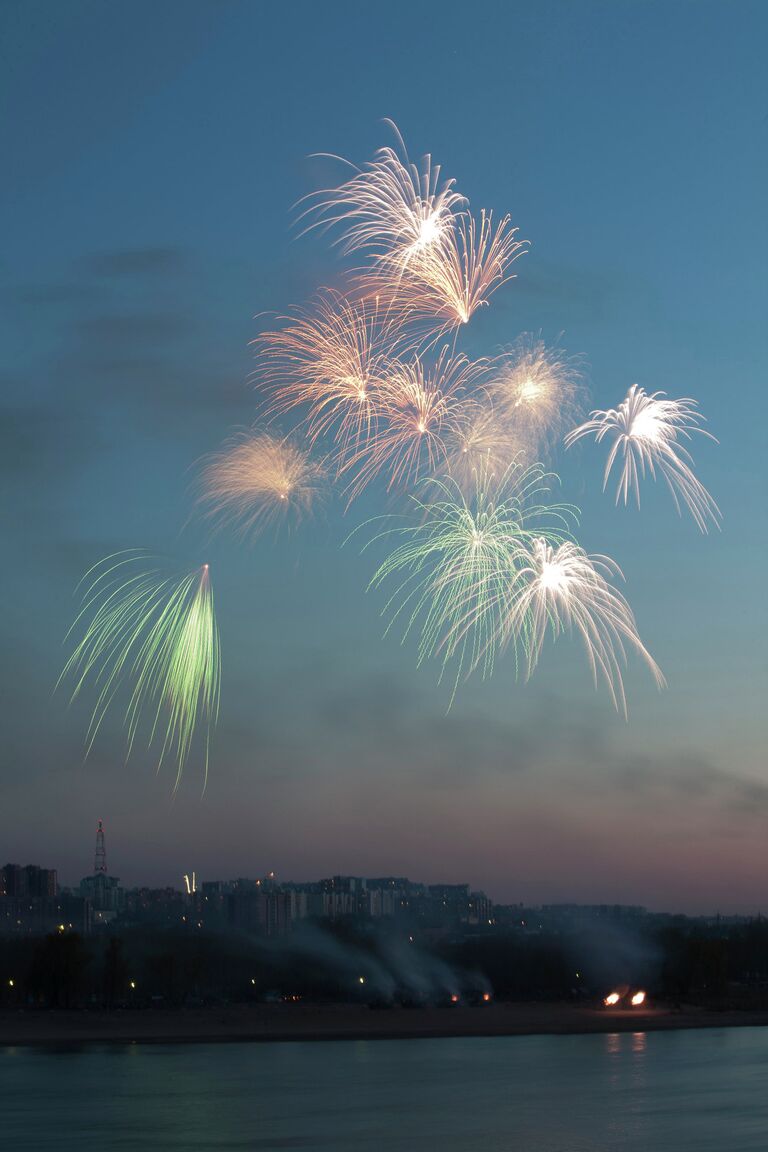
x=638, y=999
x=611, y=999
x=645, y=432
x=157, y=637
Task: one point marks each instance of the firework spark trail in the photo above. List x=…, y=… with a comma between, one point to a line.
x=159, y=635
x=455, y=278
x=447, y=282
x=645, y=430
x=479, y=442
x=418, y=404
x=458, y=566
x=536, y=390
x=562, y=589
x=260, y=479
x=391, y=208
x=333, y=360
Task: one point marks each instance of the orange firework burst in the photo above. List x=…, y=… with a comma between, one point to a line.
x=479, y=442
x=450, y=280
x=331, y=359
x=418, y=406
x=259, y=479
x=391, y=208
x=536, y=390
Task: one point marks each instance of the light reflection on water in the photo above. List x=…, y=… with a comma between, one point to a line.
x=660, y=1092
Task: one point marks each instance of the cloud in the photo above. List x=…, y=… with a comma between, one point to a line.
x=43, y=445
x=379, y=720
x=159, y=262
x=53, y=295
x=127, y=329
x=688, y=778
x=382, y=719
x=86, y=285
x=571, y=294
x=124, y=346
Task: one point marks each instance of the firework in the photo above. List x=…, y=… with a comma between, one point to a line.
x=535, y=390
x=458, y=565
x=645, y=431
x=158, y=636
x=260, y=479
x=449, y=281
x=332, y=359
x=479, y=442
x=562, y=589
x=417, y=407
x=391, y=208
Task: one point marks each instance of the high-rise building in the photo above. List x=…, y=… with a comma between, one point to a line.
x=30, y=881
x=103, y=891
x=263, y=913
x=30, y=902
x=41, y=882
x=100, y=859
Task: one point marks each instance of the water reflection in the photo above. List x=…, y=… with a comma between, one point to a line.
x=637, y=1092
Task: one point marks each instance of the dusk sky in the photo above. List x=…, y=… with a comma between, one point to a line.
x=152, y=153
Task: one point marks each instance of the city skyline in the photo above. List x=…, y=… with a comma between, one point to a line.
x=37, y=877
x=193, y=881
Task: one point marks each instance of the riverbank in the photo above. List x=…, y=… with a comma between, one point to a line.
x=272, y=1022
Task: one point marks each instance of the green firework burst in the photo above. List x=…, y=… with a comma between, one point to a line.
x=458, y=567
x=158, y=635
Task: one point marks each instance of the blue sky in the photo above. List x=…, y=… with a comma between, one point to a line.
x=153, y=153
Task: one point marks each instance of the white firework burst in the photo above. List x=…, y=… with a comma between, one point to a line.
x=646, y=431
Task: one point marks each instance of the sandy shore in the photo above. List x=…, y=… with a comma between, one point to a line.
x=345, y=1022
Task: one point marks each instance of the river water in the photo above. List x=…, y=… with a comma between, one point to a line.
x=657, y=1092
